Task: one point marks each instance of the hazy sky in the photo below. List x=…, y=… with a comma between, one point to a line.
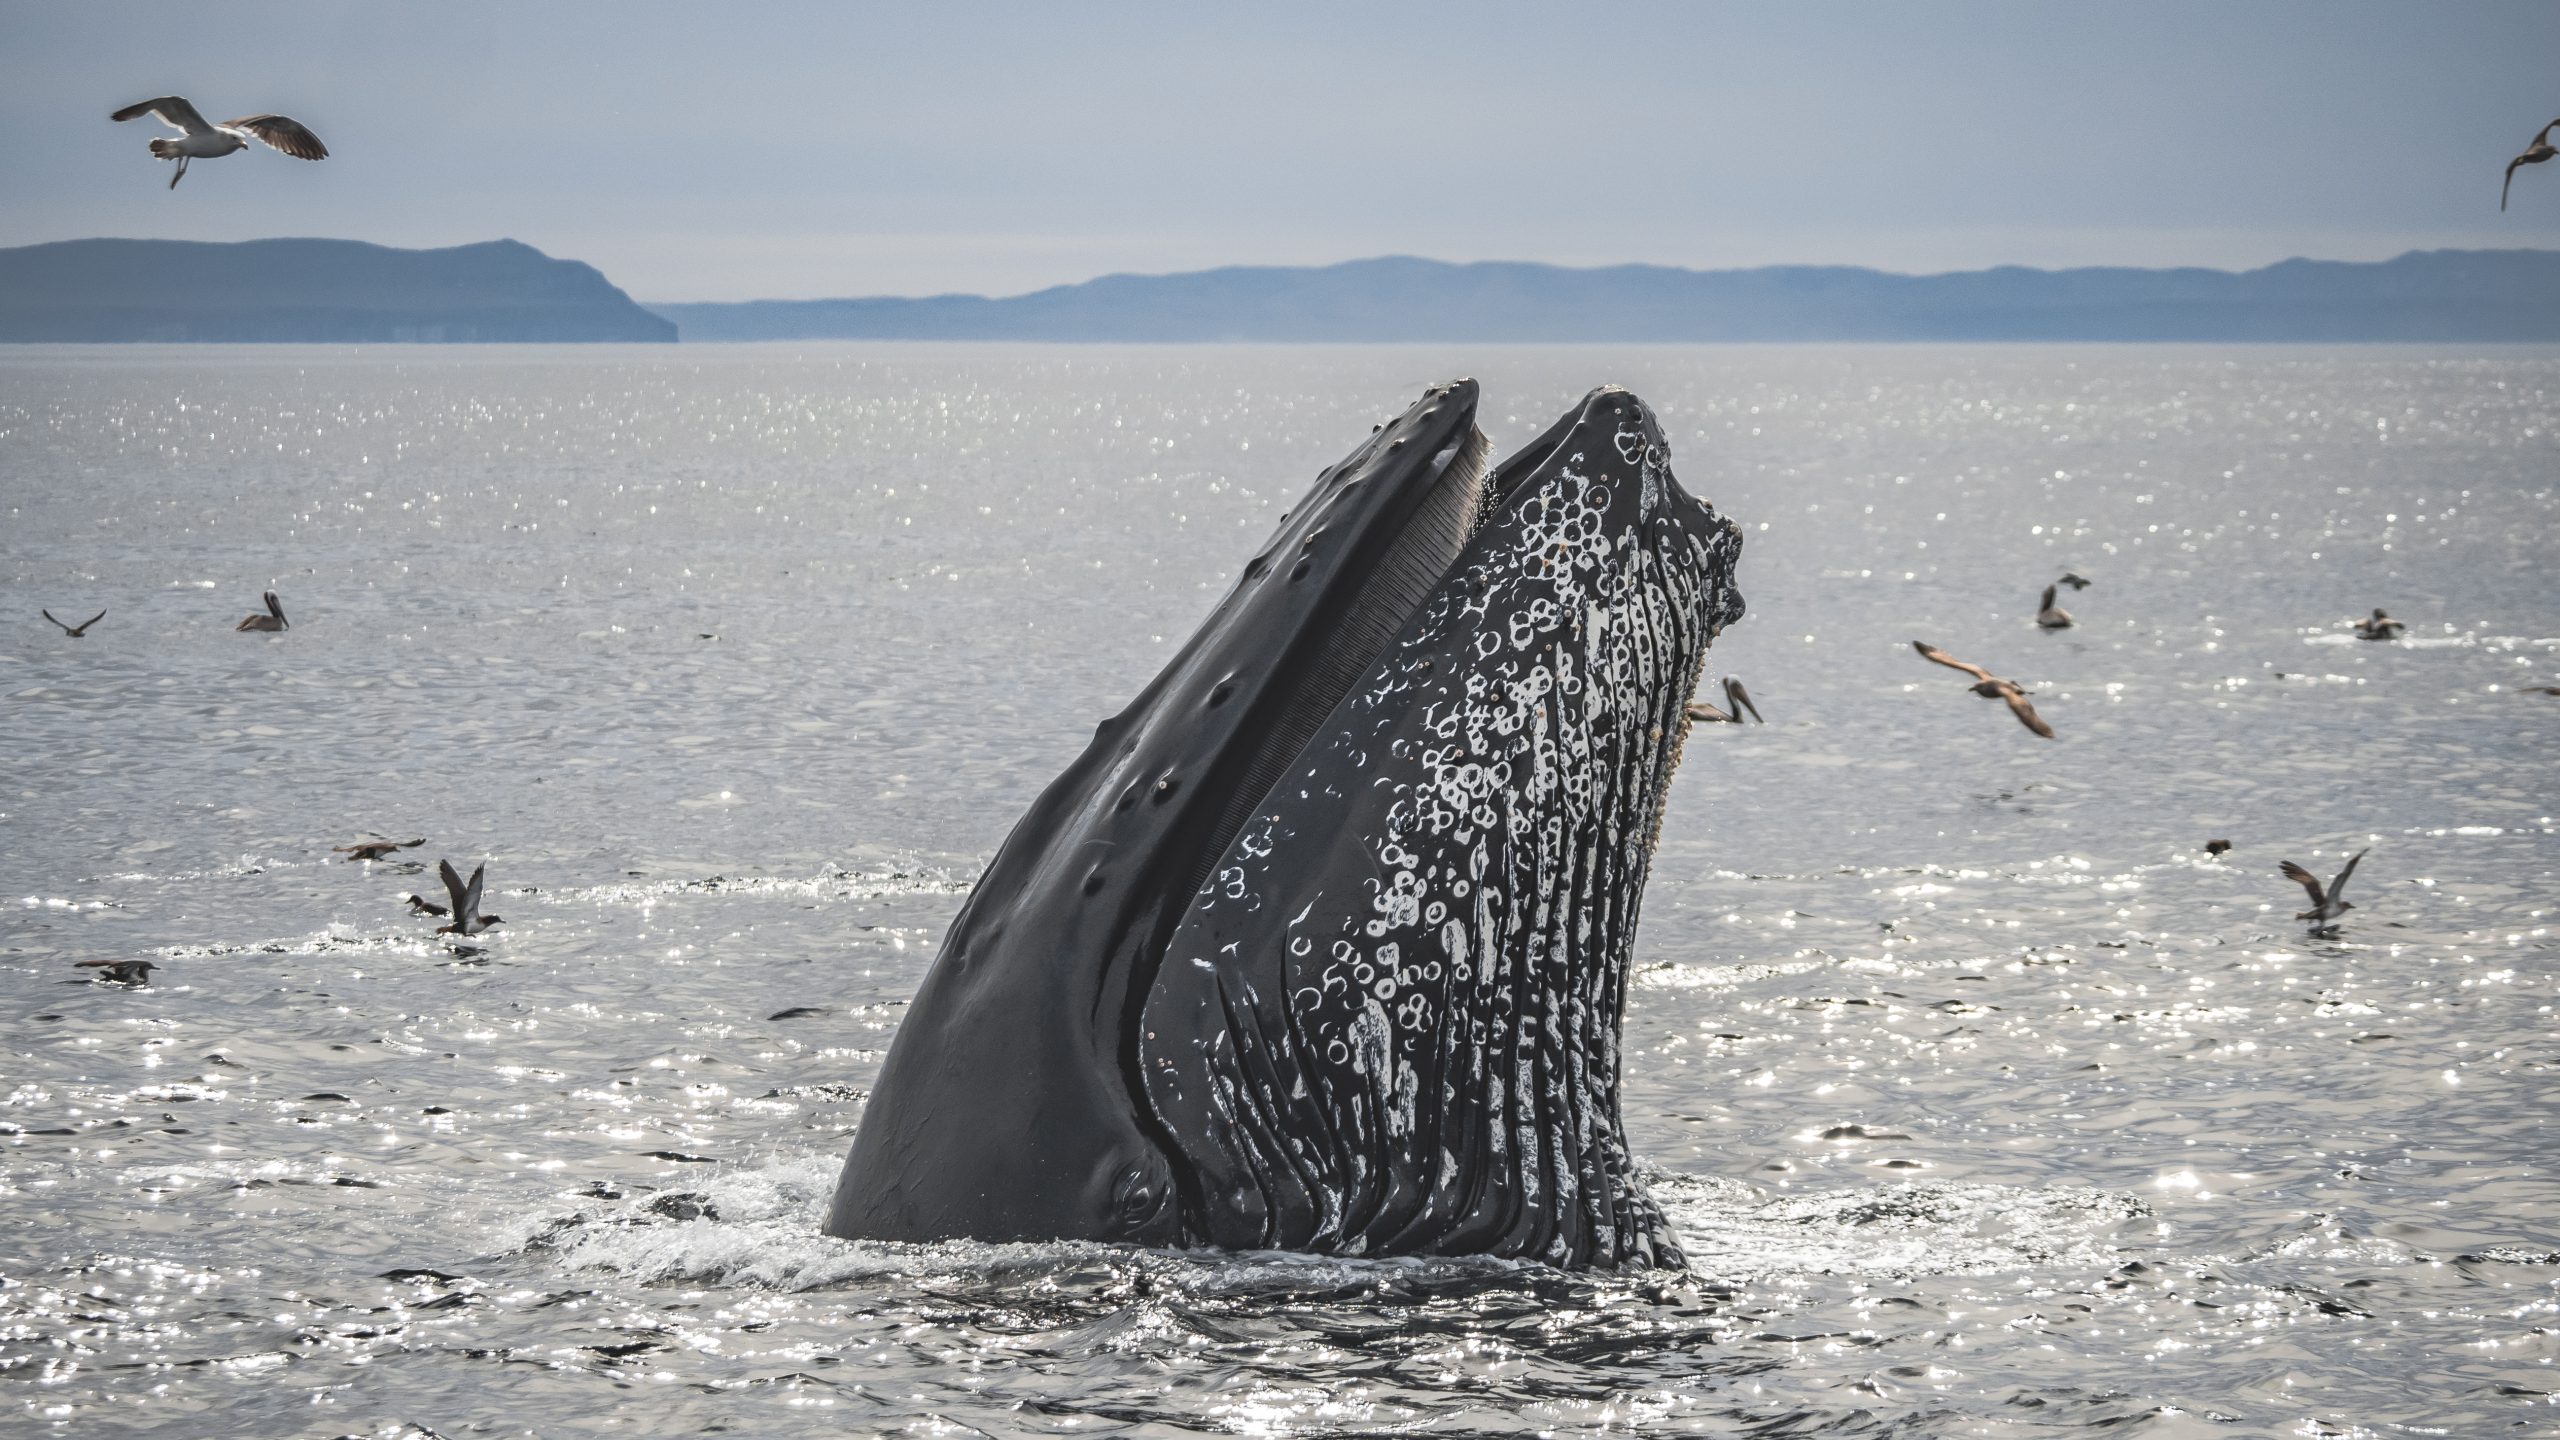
x=728, y=151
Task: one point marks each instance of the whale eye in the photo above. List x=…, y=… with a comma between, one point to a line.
x=1138, y=1197
x=1165, y=788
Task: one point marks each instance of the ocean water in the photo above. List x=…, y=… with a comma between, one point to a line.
x=1986, y=1103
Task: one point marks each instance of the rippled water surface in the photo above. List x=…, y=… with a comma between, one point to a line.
x=1986, y=1102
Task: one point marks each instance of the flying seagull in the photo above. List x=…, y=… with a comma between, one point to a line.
x=75, y=631
x=201, y=139
x=376, y=849
x=2076, y=581
x=272, y=620
x=1990, y=687
x=2380, y=627
x=1736, y=700
x=2326, y=907
x=467, y=919
x=2534, y=154
x=2050, y=615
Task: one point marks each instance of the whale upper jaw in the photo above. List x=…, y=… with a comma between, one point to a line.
x=1322, y=943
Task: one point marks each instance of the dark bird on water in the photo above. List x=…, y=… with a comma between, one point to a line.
x=1990, y=687
x=421, y=905
x=1736, y=701
x=2326, y=907
x=2050, y=615
x=2380, y=627
x=75, y=631
x=201, y=139
x=376, y=849
x=121, y=972
x=2216, y=847
x=2076, y=582
x=2534, y=154
x=467, y=919
x=272, y=620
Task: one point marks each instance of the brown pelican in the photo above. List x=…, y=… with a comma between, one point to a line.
x=1736, y=700
x=2380, y=627
x=121, y=972
x=467, y=919
x=272, y=620
x=2326, y=907
x=1990, y=687
x=75, y=631
x=2050, y=615
x=2534, y=154
x=201, y=139
x=376, y=849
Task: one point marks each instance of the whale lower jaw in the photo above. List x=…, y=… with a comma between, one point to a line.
x=1390, y=1023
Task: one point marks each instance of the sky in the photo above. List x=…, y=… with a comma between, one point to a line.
x=800, y=150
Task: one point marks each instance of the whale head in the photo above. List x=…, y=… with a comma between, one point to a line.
x=1322, y=943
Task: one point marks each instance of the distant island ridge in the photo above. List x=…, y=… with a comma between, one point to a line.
x=335, y=291
x=2433, y=295
x=350, y=291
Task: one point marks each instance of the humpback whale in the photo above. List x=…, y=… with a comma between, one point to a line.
x=1322, y=943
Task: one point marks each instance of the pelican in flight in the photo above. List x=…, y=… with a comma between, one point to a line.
x=1989, y=687
x=79, y=630
x=2534, y=154
x=272, y=620
x=1736, y=700
x=201, y=139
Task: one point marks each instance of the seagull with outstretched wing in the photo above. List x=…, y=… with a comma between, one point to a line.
x=2326, y=906
x=2534, y=154
x=465, y=895
x=201, y=139
x=75, y=631
x=1990, y=687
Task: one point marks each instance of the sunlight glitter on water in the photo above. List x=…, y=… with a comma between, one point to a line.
x=1985, y=1102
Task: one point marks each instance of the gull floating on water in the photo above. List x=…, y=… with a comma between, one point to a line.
x=75, y=631
x=421, y=905
x=272, y=620
x=2050, y=615
x=2534, y=154
x=2380, y=627
x=1990, y=687
x=1736, y=700
x=2326, y=907
x=467, y=919
x=201, y=139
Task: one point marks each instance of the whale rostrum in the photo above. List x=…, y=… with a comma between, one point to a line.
x=1322, y=944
